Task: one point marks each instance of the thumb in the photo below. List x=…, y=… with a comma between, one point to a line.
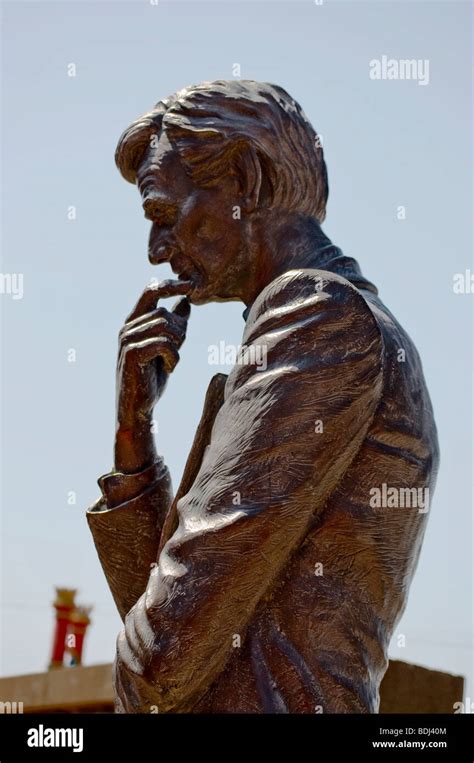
x=182, y=307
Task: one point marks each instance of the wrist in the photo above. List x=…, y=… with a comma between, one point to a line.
x=134, y=446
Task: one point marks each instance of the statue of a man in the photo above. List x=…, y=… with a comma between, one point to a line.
x=273, y=582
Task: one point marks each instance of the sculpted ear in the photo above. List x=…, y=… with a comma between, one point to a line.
x=250, y=175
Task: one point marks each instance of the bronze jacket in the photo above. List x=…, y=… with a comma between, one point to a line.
x=274, y=581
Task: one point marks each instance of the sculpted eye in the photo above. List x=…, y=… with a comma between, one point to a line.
x=163, y=220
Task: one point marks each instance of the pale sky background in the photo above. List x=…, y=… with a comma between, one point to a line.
x=387, y=143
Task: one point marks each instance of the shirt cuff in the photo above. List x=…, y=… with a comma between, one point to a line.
x=118, y=488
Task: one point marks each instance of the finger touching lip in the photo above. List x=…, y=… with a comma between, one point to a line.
x=171, y=288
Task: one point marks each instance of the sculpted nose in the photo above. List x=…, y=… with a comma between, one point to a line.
x=160, y=244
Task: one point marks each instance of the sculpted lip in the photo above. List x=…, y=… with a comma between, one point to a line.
x=185, y=270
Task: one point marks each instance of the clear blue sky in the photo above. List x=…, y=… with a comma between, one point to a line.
x=387, y=144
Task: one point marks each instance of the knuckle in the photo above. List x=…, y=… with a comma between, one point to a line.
x=159, y=323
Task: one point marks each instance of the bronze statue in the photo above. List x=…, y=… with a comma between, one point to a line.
x=273, y=582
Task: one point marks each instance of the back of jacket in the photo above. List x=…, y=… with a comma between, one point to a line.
x=319, y=641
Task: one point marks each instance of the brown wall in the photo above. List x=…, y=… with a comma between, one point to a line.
x=405, y=689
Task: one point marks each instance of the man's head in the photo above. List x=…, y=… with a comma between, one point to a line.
x=212, y=161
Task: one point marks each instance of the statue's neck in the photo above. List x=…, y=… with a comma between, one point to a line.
x=295, y=242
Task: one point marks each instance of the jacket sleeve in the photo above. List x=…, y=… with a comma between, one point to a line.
x=137, y=512
x=127, y=533
x=297, y=406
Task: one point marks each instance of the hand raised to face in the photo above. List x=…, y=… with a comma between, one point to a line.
x=149, y=344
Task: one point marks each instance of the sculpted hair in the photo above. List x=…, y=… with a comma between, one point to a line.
x=211, y=124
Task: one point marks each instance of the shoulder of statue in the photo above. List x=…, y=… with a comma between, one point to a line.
x=298, y=295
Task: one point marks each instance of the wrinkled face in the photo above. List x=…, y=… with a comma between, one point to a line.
x=193, y=228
